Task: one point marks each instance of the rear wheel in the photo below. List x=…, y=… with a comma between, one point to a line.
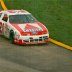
x=11, y=38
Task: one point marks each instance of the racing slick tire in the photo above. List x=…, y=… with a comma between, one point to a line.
x=11, y=37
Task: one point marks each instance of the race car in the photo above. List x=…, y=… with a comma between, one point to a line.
x=21, y=27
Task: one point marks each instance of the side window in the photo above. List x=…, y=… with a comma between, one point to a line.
x=5, y=18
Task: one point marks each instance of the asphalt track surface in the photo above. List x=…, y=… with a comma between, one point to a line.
x=34, y=58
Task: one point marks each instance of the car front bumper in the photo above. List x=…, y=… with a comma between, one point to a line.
x=37, y=39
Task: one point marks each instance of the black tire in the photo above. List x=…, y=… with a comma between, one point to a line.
x=11, y=38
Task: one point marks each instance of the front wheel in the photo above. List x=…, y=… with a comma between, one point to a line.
x=11, y=38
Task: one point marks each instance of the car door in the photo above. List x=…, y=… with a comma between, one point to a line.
x=5, y=25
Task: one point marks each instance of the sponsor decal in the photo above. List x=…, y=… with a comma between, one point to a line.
x=6, y=29
x=30, y=28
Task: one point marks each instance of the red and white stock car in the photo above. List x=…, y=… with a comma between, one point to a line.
x=22, y=28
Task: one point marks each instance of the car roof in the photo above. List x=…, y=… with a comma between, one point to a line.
x=16, y=12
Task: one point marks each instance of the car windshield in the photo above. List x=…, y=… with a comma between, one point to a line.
x=28, y=18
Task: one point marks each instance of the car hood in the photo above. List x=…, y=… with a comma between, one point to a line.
x=29, y=27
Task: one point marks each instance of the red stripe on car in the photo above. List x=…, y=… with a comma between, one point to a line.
x=41, y=25
x=30, y=27
x=17, y=27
